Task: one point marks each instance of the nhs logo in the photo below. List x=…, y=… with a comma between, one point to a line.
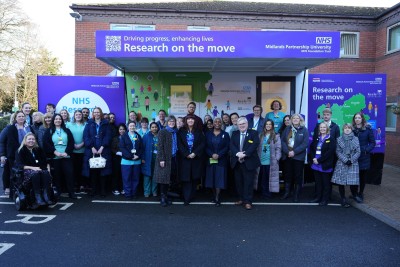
x=323, y=40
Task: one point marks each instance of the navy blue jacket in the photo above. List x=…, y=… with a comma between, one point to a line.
x=93, y=139
x=147, y=141
x=222, y=149
x=367, y=143
x=125, y=146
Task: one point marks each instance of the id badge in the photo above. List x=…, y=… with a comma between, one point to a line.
x=36, y=161
x=133, y=151
x=155, y=152
x=318, y=152
x=276, y=125
x=60, y=142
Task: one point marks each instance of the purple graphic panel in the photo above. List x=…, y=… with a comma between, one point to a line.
x=75, y=92
x=222, y=44
x=347, y=94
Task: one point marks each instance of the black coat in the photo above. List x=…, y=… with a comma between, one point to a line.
x=48, y=144
x=12, y=142
x=250, y=146
x=24, y=157
x=328, y=150
x=190, y=169
x=367, y=144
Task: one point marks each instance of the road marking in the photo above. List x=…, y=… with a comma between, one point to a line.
x=5, y=246
x=65, y=205
x=7, y=203
x=14, y=233
x=27, y=218
x=209, y=203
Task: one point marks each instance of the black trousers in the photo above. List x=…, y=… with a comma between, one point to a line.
x=322, y=185
x=64, y=170
x=244, y=180
x=294, y=171
x=77, y=159
x=40, y=180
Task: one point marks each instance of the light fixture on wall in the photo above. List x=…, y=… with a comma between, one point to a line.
x=76, y=15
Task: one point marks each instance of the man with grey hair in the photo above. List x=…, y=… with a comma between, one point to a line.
x=244, y=161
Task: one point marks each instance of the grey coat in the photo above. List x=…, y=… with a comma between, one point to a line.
x=275, y=149
x=164, y=153
x=343, y=174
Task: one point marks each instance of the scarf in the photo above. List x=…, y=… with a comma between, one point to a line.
x=348, y=138
x=174, y=140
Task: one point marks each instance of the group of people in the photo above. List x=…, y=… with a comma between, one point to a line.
x=181, y=153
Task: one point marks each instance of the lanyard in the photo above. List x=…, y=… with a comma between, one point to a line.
x=133, y=138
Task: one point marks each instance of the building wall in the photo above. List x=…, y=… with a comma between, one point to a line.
x=372, y=55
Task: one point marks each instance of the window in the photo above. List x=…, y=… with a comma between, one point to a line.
x=393, y=38
x=198, y=28
x=349, y=44
x=132, y=27
x=391, y=119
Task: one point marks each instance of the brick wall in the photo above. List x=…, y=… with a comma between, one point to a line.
x=372, y=53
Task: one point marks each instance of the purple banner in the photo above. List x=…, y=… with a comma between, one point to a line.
x=222, y=44
x=76, y=92
x=347, y=94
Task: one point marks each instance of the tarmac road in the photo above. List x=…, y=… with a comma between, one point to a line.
x=114, y=232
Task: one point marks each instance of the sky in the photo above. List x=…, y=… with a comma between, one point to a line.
x=57, y=28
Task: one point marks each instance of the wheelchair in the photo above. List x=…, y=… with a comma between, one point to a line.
x=23, y=194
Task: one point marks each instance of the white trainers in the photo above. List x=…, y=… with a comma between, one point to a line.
x=122, y=192
x=116, y=193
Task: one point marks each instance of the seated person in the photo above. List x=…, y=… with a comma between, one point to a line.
x=31, y=158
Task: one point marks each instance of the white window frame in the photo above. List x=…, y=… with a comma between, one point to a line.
x=391, y=129
x=388, y=37
x=198, y=28
x=357, y=53
x=132, y=27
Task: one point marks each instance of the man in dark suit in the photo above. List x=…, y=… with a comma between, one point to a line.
x=244, y=161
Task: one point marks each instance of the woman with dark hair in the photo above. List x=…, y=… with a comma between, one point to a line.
x=322, y=152
x=116, y=179
x=217, y=147
x=77, y=126
x=365, y=135
x=209, y=126
x=130, y=144
x=233, y=127
x=31, y=158
x=165, y=167
x=58, y=144
x=294, y=146
x=191, y=148
x=150, y=150
x=226, y=121
x=285, y=123
x=97, y=137
x=276, y=115
x=269, y=152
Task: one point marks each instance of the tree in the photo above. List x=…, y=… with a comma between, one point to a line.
x=7, y=93
x=13, y=24
x=38, y=62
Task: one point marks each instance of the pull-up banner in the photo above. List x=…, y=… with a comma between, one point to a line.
x=222, y=44
x=345, y=95
x=76, y=92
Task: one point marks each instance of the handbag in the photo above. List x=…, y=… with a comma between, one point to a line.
x=97, y=162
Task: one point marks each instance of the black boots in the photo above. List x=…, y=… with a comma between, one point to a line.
x=164, y=200
x=296, y=194
x=287, y=191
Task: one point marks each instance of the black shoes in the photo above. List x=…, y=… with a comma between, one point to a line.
x=344, y=203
